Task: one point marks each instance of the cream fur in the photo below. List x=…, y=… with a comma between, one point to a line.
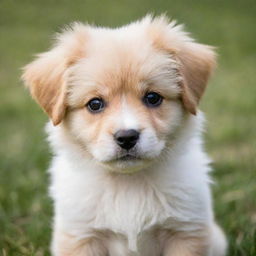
x=159, y=204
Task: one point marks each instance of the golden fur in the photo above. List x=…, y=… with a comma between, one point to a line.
x=46, y=75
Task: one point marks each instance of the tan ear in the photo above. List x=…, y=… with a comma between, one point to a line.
x=196, y=63
x=45, y=77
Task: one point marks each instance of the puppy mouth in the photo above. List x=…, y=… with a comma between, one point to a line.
x=126, y=162
x=128, y=157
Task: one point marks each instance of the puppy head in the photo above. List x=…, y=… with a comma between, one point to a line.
x=121, y=93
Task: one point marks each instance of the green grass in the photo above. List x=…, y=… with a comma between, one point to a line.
x=230, y=104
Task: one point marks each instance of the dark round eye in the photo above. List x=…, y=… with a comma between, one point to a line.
x=95, y=105
x=152, y=99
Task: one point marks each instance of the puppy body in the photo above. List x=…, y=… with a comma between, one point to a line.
x=127, y=211
x=154, y=198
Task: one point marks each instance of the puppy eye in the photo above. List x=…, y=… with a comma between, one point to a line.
x=152, y=99
x=95, y=105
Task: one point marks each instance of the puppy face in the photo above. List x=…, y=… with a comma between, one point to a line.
x=121, y=93
x=124, y=103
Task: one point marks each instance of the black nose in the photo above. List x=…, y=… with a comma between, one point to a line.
x=126, y=138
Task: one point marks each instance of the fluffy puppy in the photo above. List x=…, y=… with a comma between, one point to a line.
x=129, y=175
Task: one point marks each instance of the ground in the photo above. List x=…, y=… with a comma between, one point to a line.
x=229, y=103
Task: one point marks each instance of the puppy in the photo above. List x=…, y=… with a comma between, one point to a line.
x=129, y=175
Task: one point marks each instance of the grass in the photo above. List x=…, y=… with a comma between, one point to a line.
x=230, y=103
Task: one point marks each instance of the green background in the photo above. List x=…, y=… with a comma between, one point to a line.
x=26, y=28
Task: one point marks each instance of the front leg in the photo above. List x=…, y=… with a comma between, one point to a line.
x=181, y=243
x=65, y=244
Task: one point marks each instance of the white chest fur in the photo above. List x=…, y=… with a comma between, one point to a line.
x=88, y=199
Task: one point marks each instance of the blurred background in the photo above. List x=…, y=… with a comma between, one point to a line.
x=26, y=28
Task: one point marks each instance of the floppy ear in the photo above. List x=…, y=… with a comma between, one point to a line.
x=196, y=63
x=45, y=77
